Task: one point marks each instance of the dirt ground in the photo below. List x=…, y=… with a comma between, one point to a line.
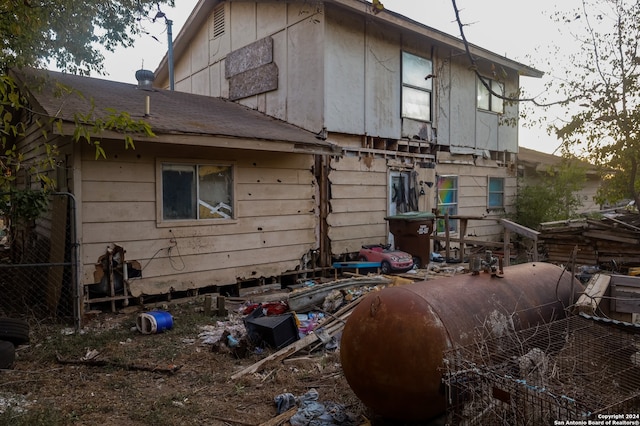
x=111, y=373
x=171, y=378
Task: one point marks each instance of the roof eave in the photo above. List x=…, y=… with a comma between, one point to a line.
x=398, y=20
x=218, y=141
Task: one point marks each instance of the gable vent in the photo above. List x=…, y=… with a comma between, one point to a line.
x=218, y=21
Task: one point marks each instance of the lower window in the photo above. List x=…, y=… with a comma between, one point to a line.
x=447, y=202
x=197, y=191
x=495, y=197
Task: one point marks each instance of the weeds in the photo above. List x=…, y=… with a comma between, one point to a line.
x=53, y=393
x=47, y=416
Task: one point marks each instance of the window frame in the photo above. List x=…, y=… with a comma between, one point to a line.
x=495, y=103
x=415, y=87
x=442, y=208
x=491, y=192
x=162, y=222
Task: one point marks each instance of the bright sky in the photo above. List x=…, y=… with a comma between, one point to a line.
x=518, y=29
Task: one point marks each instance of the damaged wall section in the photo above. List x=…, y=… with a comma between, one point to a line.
x=275, y=222
x=250, y=70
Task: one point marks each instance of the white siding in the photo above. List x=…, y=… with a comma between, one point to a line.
x=344, y=71
x=358, y=203
x=305, y=74
x=461, y=123
x=242, y=22
x=341, y=71
x=384, y=78
x=473, y=196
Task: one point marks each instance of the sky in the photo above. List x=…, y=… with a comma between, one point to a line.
x=518, y=29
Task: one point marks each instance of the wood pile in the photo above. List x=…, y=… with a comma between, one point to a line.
x=611, y=240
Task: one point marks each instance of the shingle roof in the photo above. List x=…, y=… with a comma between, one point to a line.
x=171, y=112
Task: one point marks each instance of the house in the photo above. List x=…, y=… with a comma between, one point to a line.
x=418, y=128
x=534, y=165
x=220, y=194
x=306, y=124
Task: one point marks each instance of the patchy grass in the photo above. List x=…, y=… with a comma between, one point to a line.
x=200, y=392
x=45, y=416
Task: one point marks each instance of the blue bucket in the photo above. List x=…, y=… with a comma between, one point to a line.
x=154, y=322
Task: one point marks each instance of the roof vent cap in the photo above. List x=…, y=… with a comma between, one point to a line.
x=145, y=79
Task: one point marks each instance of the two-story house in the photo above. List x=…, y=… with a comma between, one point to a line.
x=419, y=130
x=295, y=129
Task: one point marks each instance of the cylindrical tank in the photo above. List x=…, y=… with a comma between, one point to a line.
x=393, y=343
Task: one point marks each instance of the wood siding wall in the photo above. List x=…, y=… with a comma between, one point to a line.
x=32, y=148
x=341, y=72
x=473, y=195
x=276, y=218
x=359, y=203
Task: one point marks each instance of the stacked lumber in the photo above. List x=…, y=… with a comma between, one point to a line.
x=612, y=239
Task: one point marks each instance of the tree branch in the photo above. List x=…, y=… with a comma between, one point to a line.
x=483, y=80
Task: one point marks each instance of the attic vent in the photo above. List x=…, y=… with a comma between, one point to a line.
x=218, y=21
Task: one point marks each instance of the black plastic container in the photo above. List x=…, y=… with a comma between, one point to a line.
x=276, y=331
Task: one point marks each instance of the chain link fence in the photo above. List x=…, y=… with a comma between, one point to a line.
x=38, y=264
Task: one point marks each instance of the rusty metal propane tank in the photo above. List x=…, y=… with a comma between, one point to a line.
x=393, y=343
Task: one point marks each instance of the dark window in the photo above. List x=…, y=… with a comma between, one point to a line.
x=487, y=100
x=197, y=191
x=496, y=193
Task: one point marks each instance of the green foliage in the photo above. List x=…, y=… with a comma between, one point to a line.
x=616, y=182
x=90, y=125
x=10, y=128
x=23, y=206
x=556, y=197
x=20, y=208
x=530, y=205
x=603, y=80
x=12, y=106
x=68, y=33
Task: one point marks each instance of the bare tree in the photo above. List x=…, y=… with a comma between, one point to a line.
x=600, y=92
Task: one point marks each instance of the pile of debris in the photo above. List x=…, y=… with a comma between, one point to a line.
x=312, y=315
x=612, y=242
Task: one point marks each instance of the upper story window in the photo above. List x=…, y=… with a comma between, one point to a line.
x=417, y=82
x=196, y=191
x=495, y=196
x=489, y=101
